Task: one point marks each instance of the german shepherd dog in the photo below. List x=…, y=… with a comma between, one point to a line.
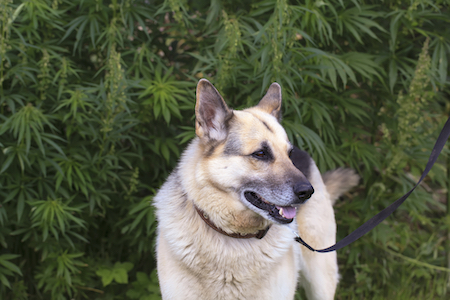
x=228, y=213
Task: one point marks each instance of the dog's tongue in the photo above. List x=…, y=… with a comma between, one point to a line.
x=288, y=211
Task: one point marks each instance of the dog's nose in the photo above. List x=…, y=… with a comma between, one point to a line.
x=303, y=191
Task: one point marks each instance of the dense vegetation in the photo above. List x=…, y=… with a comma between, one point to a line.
x=96, y=104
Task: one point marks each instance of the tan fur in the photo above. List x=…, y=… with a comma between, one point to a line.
x=197, y=262
x=339, y=181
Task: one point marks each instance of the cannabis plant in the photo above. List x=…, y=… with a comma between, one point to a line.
x=97, y=101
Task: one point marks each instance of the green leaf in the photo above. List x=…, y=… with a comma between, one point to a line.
x=127, y=266
x=7, y=163
x=120, y=275
x=106, y=275
x=9, y=265
x=393, y=73
x=4, y=281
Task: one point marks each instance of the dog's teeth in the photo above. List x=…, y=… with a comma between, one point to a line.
x=281, y=212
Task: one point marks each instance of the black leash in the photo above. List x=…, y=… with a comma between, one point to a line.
x=377, y=219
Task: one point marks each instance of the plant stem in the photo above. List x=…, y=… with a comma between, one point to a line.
x=448, y=216
x=415, y=261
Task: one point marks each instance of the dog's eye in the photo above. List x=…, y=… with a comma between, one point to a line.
x=259, y=154
x=263, y=154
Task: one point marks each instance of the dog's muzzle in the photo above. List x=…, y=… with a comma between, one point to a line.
x=282, y=214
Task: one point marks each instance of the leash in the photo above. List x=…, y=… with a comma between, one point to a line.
x=378, y=218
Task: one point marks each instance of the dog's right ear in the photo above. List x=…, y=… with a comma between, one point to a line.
x=271, y=102
x=211, y=112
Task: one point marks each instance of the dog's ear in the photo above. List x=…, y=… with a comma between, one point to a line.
x=271, y=102
x=211, y=112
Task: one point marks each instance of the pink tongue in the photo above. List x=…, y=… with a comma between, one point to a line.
x=288, y=211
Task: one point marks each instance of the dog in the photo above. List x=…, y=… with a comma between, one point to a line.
x=228, y=213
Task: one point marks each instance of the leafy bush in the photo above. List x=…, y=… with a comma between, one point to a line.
x=97, y=101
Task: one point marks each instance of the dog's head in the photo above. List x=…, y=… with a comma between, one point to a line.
x=246, y=154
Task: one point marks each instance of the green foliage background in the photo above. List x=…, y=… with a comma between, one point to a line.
x=97, y=101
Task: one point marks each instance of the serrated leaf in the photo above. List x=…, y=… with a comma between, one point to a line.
x=127, y=266
x=7, y=163
x=106, y=275
x=393, y=73
x=4, y=281
x=120, y=275
x=9, y=265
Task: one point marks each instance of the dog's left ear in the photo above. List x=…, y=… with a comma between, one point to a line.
x=271, y=102
x=212, y=113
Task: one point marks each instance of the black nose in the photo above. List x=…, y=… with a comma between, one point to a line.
x=303, y=191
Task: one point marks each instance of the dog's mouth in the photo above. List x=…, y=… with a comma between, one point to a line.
x=282, y=214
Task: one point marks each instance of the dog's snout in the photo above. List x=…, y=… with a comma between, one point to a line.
x=303, y=191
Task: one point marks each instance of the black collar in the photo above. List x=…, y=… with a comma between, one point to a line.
x=259, y=235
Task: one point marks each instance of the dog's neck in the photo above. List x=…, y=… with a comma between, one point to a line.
x=259, y=235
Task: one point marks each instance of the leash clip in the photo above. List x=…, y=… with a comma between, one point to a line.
x=298, y=239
